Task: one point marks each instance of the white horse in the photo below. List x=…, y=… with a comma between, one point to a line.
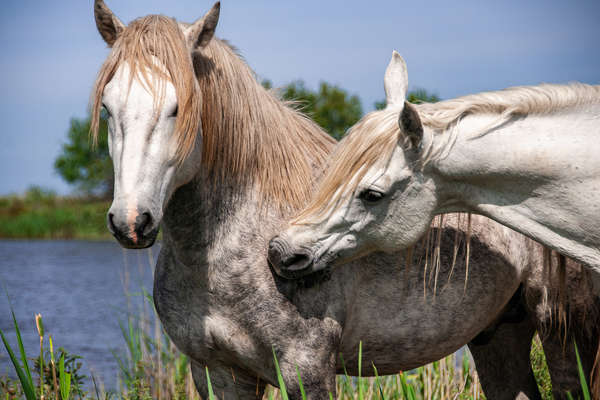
x=527, y=157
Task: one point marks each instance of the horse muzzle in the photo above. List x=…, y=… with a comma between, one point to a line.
x=133, y=229
x=289, y=263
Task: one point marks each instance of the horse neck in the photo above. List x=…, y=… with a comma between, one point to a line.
x=529, y=174
x=259, y=157
x=537, y=145
x=252, y=138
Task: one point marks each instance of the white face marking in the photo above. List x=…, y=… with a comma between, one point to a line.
x=142, y=148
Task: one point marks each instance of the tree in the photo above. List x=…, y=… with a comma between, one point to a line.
x=330, y=106
x=416, y=96
x=87, y=167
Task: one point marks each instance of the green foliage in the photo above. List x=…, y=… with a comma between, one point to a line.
x=71, y=365
x=416, y=96
x=302, y=392
x=138, y=391
x=22, y=367
x=330, y=106
x=65, y=379
x=540, y=369
x=10, y=389
x=284, y=395
x=584, y=386
x=67, y=369
x=361, y=395
x=87, y=167
x=438, y=380
x=422, y=96
x=39, y=195
x=211, y=394
x=41, y=214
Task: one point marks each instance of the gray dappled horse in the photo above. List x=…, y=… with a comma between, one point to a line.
x=200, y=148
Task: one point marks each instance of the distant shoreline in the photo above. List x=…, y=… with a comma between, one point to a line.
x=40, y=215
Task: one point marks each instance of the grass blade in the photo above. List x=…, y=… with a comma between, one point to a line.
x=282, y=389
x=211, y=394
x=300, y=383
x=65, y=379
x=21, y=348
x=407, y=390
x=22, y=371
x=95, y=388
x=582, y=380
x=360, y=385
x=26, y=382
x=347, y=387
x=378, y=383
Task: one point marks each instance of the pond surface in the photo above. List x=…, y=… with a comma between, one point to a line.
x=80, y=288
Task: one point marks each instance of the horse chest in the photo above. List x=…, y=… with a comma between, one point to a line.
x=181, y=307
x=199, y=317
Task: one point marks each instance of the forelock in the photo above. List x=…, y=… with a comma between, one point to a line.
x=368, y=144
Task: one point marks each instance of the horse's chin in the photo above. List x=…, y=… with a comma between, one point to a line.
x=293, y=273
x=142, y=242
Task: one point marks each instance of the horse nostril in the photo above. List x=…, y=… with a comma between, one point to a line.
x=144, y=221
x=274, y=253
x=272, y=244
x=296, y=261
x=111, y=224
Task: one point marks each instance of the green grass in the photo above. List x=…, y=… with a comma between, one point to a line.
x=540, y=369
x=153, y=369
x=40, y=214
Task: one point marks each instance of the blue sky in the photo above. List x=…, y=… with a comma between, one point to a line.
x=51, y=53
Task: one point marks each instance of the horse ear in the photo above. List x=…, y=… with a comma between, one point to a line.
x=410, y=124
x=107, y=23
x=395, y=81
x=201, y=32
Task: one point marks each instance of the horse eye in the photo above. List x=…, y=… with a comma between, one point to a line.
x=371, y=196
x=174, y=113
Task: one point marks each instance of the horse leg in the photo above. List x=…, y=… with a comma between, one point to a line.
x=317, y=384
x=502, y=361
x=227, y=382
x=318, y=378
x=562, y=362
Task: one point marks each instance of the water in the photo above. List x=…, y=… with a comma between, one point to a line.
x=80, y=289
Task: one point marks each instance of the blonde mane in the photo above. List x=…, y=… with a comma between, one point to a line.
x=373, y=139
x=248, y=134
x=155, y=50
